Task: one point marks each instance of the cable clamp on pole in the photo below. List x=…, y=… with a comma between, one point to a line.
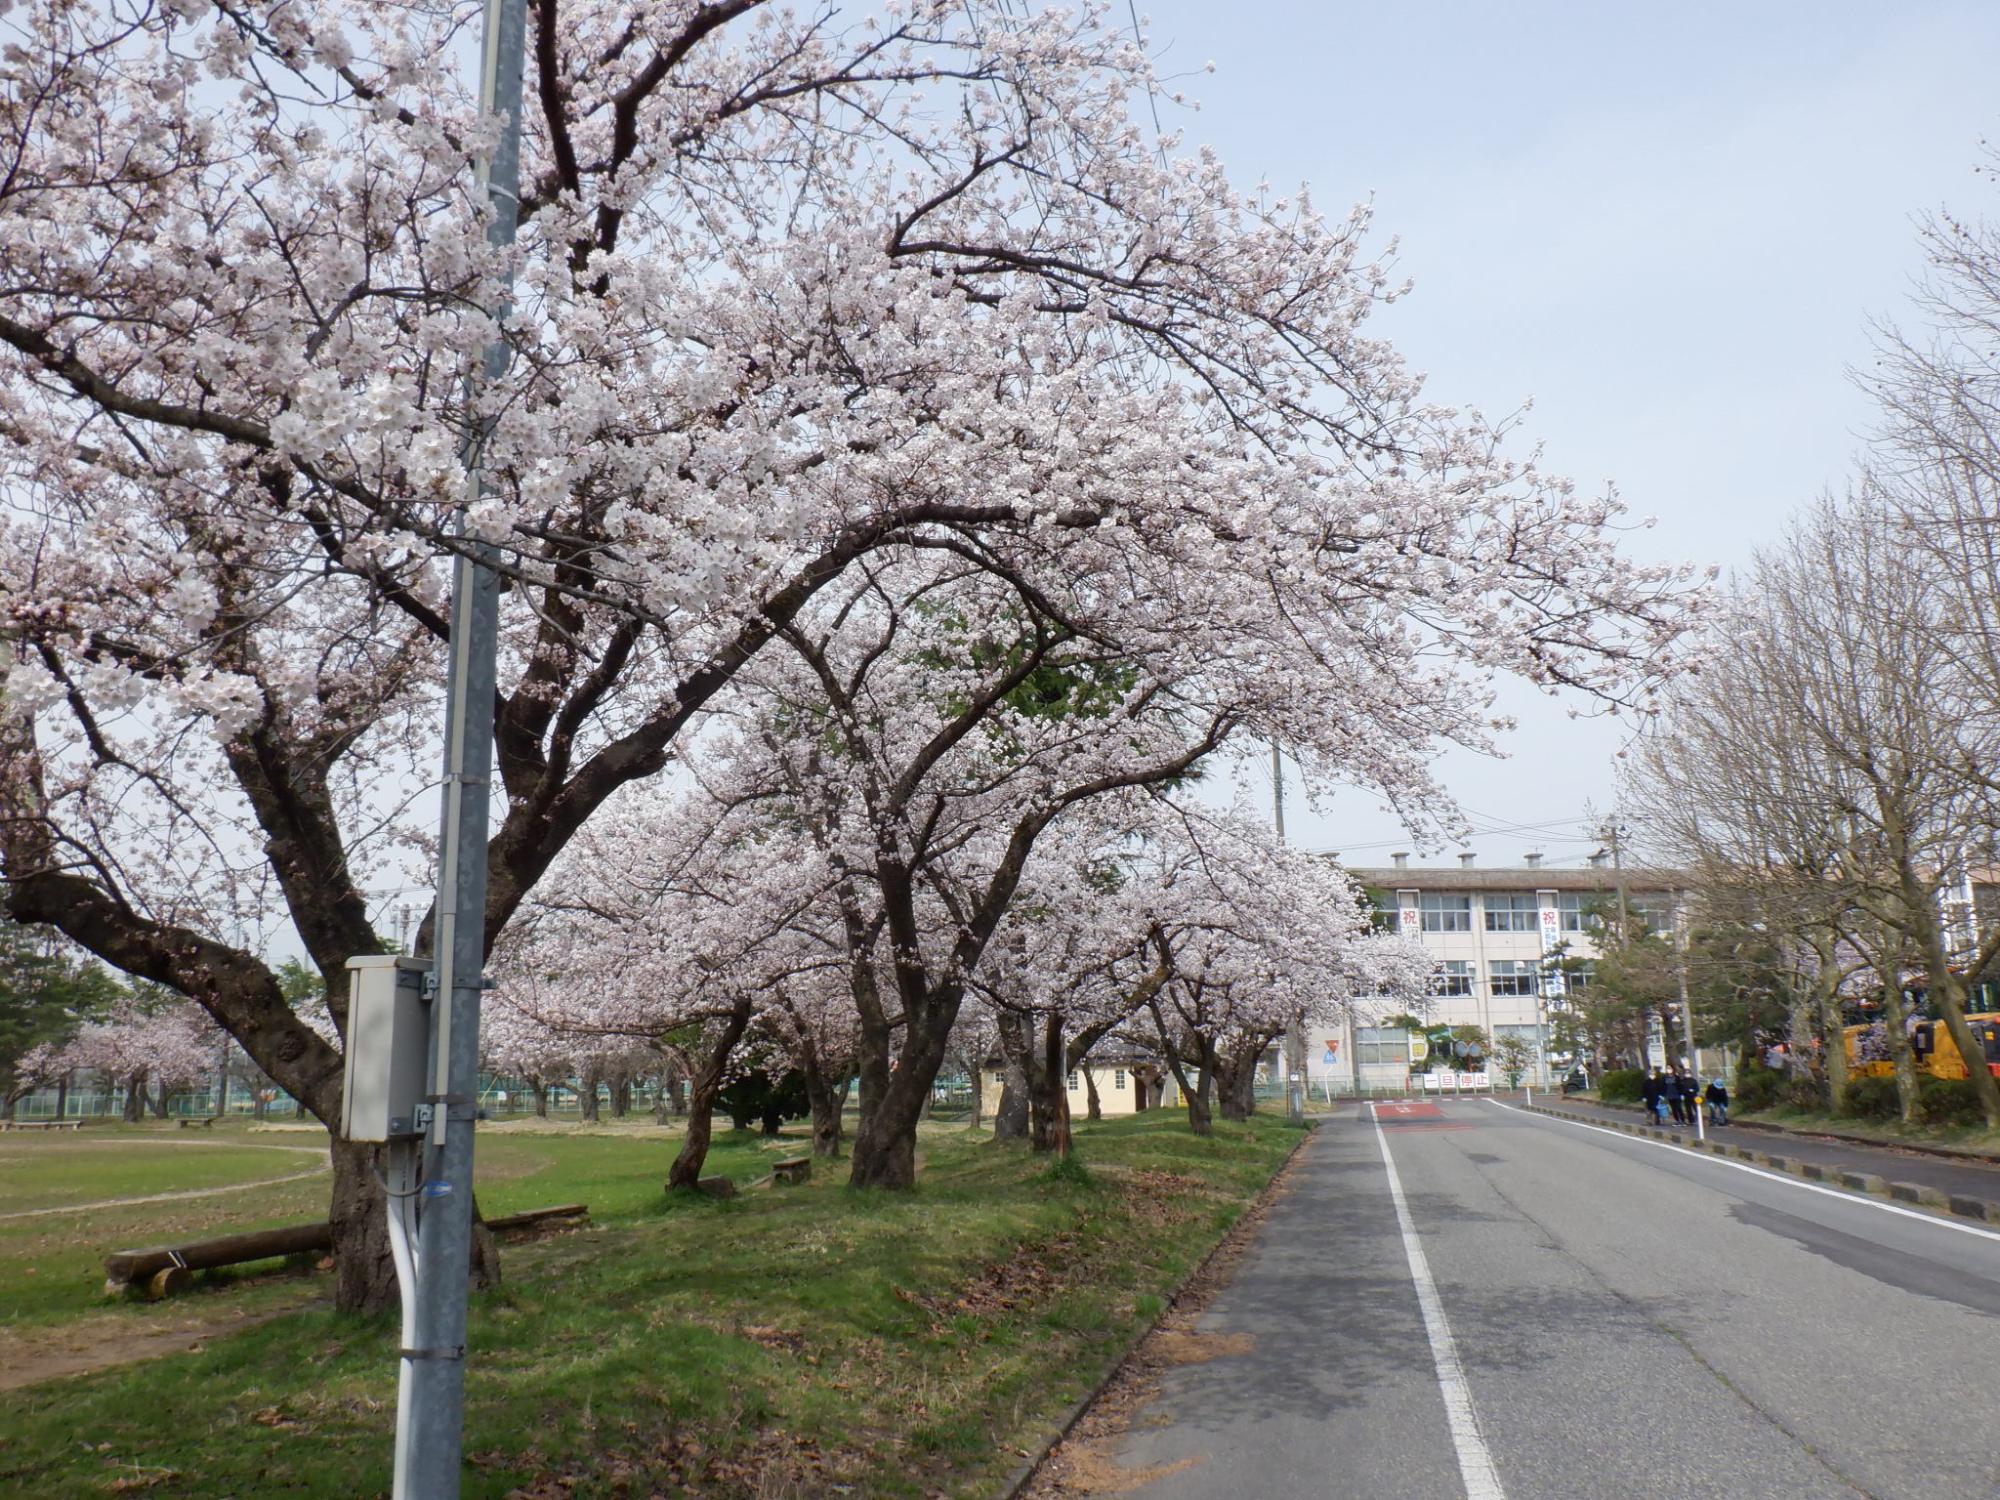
x=457, y=1351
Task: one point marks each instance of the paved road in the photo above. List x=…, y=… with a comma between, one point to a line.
x=1974, y=1178
x=1611, y=1318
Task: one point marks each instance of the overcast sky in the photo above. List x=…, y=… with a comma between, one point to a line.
x=1667, y=225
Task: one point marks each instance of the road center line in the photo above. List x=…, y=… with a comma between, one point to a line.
x=1475, y=1463
x=1723, y=1161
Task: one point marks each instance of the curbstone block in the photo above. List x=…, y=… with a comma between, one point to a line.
x=1973, y=1208
x=1864, y=1182
x=1911, y=1192
x=1813, y=1170
x=1744, y=1153
x=1775, y=1163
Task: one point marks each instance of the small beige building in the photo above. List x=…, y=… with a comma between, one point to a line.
x=1125, y=1086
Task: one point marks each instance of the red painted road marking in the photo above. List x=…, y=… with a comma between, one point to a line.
x=1415, y=1109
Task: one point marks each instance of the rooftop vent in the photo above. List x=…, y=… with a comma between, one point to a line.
x=1534, y=860
x=1597, y=860
x=1465, y=860
x=1402, y=860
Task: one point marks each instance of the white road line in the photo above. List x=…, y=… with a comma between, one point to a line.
x=1742, y=1166
x=1475, y=1464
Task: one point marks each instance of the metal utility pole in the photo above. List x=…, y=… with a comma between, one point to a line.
x=430, y=1410
x=1687, y=1011
x=1295, y=1035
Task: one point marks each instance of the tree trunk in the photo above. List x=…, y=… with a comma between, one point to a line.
x=686, y=1170
x=621, y=1098
x=1896, y=1033
x=1236, y=1082
x=1048, y=1102
x=824, y=1102
x=1010, y=1121
x=976, y=1071
x=135, y=1098
x=1096, y=1106
x=162, y=1097
x=586, y=1096
x=1826, y=996
x=541, y=1092
x=885, y=1145
x=364, y=1274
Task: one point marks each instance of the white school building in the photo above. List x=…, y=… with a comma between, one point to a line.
x=1489, y=930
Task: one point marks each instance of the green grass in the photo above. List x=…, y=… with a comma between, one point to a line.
x=52, y=1266
x=1973, y=1139
x=784, y=1343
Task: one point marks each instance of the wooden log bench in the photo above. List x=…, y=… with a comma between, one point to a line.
x=201, y=1122
x=793, y=1170
x=166, y=1269
x=41, y=1124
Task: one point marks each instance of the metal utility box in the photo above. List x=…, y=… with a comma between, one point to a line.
x=388, y=1047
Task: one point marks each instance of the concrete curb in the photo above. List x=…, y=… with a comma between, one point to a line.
x=1025, y=1473
x=1948, y=1205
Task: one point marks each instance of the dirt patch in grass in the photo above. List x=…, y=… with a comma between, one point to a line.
x=100, y=1343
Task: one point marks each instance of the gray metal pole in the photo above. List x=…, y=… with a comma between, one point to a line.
x=430, y=1421
x=1687, y=1014
x=1295, y=1034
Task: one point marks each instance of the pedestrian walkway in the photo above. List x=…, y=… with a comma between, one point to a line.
x=1966, y=1178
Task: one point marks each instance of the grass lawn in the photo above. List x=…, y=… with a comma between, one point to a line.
x=1974, y=1139
x=787, y=1343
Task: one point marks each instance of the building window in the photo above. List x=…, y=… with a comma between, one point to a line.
x=1382, y=1044
x=1118, y=1078
x=1577, y=977
x=1072, y=1080
x=1513, y=977
x=1513, y=912
x=1656, y=911
x=1441, y=913
x=1454, y=977
x=1576, y=911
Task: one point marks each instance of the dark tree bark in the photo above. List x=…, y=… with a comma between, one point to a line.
x=1048, y=1111
x=541, y=1092
x=1010, y=1120
x=586, y=1094
x=707, y=1083
x=135, y=1098
x=1194, y=1095
x=621, y=1096
x=824, y=1100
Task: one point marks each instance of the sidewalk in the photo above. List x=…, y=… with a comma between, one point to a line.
x=1967, y=1179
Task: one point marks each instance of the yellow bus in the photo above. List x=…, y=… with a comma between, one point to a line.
x=1937, y=1053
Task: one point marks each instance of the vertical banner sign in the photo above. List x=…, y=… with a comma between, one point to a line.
x=1412, y=923
x=1551, y=937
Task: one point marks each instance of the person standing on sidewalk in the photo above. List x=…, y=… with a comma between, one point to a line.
x=1690, y=1092
x=1718, y=1102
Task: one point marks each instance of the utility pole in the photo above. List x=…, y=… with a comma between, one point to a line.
x=1611, y=833
x=1687, y=1011
x=1295, y=1035
x=430, y=1409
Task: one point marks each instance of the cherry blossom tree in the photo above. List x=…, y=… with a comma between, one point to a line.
x=145, y=1042
x=791, y=288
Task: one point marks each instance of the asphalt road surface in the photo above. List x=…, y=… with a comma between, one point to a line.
x=1555, y=1310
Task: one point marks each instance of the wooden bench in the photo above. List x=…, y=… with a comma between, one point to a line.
x=41, y=1124
x=793, y=1170
x=190, y=1122
x=165, y=1269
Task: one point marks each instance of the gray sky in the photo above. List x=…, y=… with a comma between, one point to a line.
x=1666, y=224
